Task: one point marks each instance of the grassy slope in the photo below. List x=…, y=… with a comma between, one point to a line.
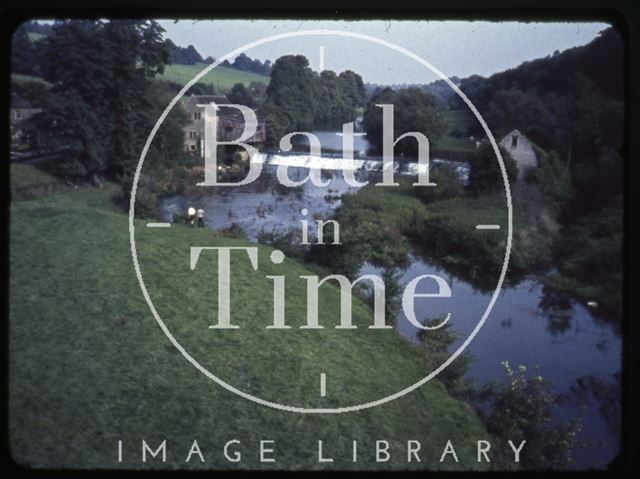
x=89, y=366
x=221, y=78
x=27, y=175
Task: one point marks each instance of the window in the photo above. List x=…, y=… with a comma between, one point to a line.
x=228, y=129
x=197, y=116
x=514, y=141
x=193, y=135
x=192, y=147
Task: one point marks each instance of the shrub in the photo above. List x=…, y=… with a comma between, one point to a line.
x=286, y=241
x=448, y=185
x=435, y=344
x=522, y=410
x=485, y=175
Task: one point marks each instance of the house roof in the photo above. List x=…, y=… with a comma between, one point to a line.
x=217, y=99
x=514, y=132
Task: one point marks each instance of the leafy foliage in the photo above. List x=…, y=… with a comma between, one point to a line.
x=23, y=53
x=435, y=346
x=252, y=96
x=243, y=63
x=298, y=99
x=183, y=55
x=103, y=101
x=522, y=410
x=485, y=175
x=414, y=110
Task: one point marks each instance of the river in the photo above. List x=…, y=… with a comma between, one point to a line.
x=529, y=325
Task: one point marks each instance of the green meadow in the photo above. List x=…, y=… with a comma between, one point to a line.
x=89, y=365
x=221, y=78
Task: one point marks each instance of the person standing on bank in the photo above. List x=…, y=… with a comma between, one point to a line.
x=191, y=215
x=200, y=215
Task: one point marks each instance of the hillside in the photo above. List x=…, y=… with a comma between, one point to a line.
x=221, y=78
x=90, y=366
x=600, y=61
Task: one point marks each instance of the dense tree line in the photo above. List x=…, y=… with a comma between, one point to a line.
x=571, y=105
x=103, y=99
x=299, y=99
x=243, y=63
x=601, y=61
x=25, y=55
x=413, y=110
x=183, y=55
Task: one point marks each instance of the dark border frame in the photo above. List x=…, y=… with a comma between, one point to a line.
x=623, y=15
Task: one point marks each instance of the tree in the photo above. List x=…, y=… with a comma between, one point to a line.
x=485, y=175
x=414, y=110
x=392, y=293
x=525, y=111
x=334, y=107
x=245, y=63
x=184, y=56
x=298, y=99
x=292, y=89
x=241, y=95
x=353, y=88
x=23, y=58
x=522, y=410
x=99, y=105
x=436, y=344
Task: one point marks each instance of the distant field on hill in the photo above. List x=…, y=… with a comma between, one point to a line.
x=221, y=78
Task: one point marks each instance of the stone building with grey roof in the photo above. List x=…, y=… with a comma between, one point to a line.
x=230, y=122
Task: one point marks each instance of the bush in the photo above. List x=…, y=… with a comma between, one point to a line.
x=234, y=231
x=485, y=175
x=287, y=241
x=522, y=410
x=448, y=185
x=553, y=179
x=435, y=344
x=147, y=203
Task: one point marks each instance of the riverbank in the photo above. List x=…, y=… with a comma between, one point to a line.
x=530, y=324
x=112, y=375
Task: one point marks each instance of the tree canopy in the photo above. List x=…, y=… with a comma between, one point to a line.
x=414, y=110
x=103, y=102
x=299, y=99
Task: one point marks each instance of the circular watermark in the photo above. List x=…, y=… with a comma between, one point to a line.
x=356, y=407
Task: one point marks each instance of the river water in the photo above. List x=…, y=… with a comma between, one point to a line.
x=529, y=325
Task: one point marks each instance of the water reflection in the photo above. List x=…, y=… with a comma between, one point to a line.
x=531, y=324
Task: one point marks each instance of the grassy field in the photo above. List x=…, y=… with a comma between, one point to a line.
x=455, y=137
x=221, y=78
x=27, y=175
x=89, y=366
